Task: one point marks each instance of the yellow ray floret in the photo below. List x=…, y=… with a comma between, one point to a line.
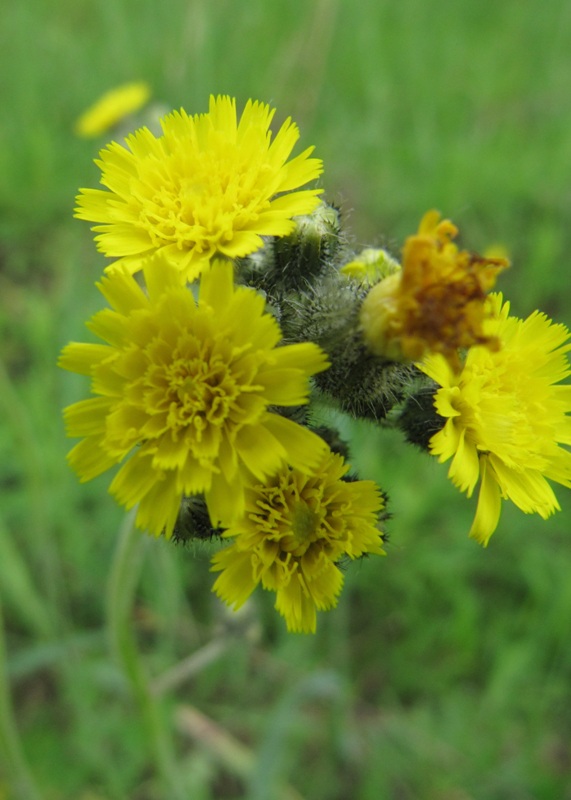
x=111, y=108
x=436, y=303
x=182, y=390
x=295, y=529
x=210, y=184
x=507, y=417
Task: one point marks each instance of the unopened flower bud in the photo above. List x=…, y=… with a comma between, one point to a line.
x=193, y=521
x=370, y=266
x=290, y=263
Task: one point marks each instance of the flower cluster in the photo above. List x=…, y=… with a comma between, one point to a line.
x=195, y=394
x=235, y=309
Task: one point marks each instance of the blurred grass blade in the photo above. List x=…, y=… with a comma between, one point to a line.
x=272, y=755
x=231, y=753
x=10, y=750
x=123, y=579
x=56, y=652
x=18, y=591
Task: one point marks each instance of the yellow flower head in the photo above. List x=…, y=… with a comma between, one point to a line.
x=436, y=303
x=182, y=389
x=370, y=266
x=506, y=417
x=111, y=108
x=209, y=184
x=295, y=529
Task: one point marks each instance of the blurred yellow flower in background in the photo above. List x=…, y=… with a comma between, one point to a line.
x=507, y=416
x=210, y=184
x=295, y=529
x=111, y=108
x=182, y=389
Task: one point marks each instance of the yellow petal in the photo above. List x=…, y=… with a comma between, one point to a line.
x=304, y=449
x=488, y=508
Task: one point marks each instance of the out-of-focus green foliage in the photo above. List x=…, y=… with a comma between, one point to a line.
x=445, y=673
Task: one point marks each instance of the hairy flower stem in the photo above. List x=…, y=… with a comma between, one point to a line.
x=125, y=572
x=11, y=755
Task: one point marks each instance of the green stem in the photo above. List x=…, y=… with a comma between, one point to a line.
x=11, y=753
x=30, y=453
x=125, y=572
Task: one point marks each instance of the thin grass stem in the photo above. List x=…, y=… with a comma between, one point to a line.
x=125, y=572
x=11, y=753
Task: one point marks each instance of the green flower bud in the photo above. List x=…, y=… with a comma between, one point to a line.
x=360, y=382
x=370, y=267
x=418, y=418
x=193, y=522
x=289, y=263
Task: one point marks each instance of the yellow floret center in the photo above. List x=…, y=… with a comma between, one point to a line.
x=304, y=523
x=179, y=401
x=197, y=212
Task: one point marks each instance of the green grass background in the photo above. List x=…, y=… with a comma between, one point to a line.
x=445, y=673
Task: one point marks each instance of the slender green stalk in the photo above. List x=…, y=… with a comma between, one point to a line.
x=191, y=666
x=125, y=572
x=30, y=452
x=11, y=753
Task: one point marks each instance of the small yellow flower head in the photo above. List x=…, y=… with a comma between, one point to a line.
x=370, y=266
x=111, y=108
x=210, y=184
x=436, y=303
x=295, y=529
x=506, y=417
x=182, y=393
